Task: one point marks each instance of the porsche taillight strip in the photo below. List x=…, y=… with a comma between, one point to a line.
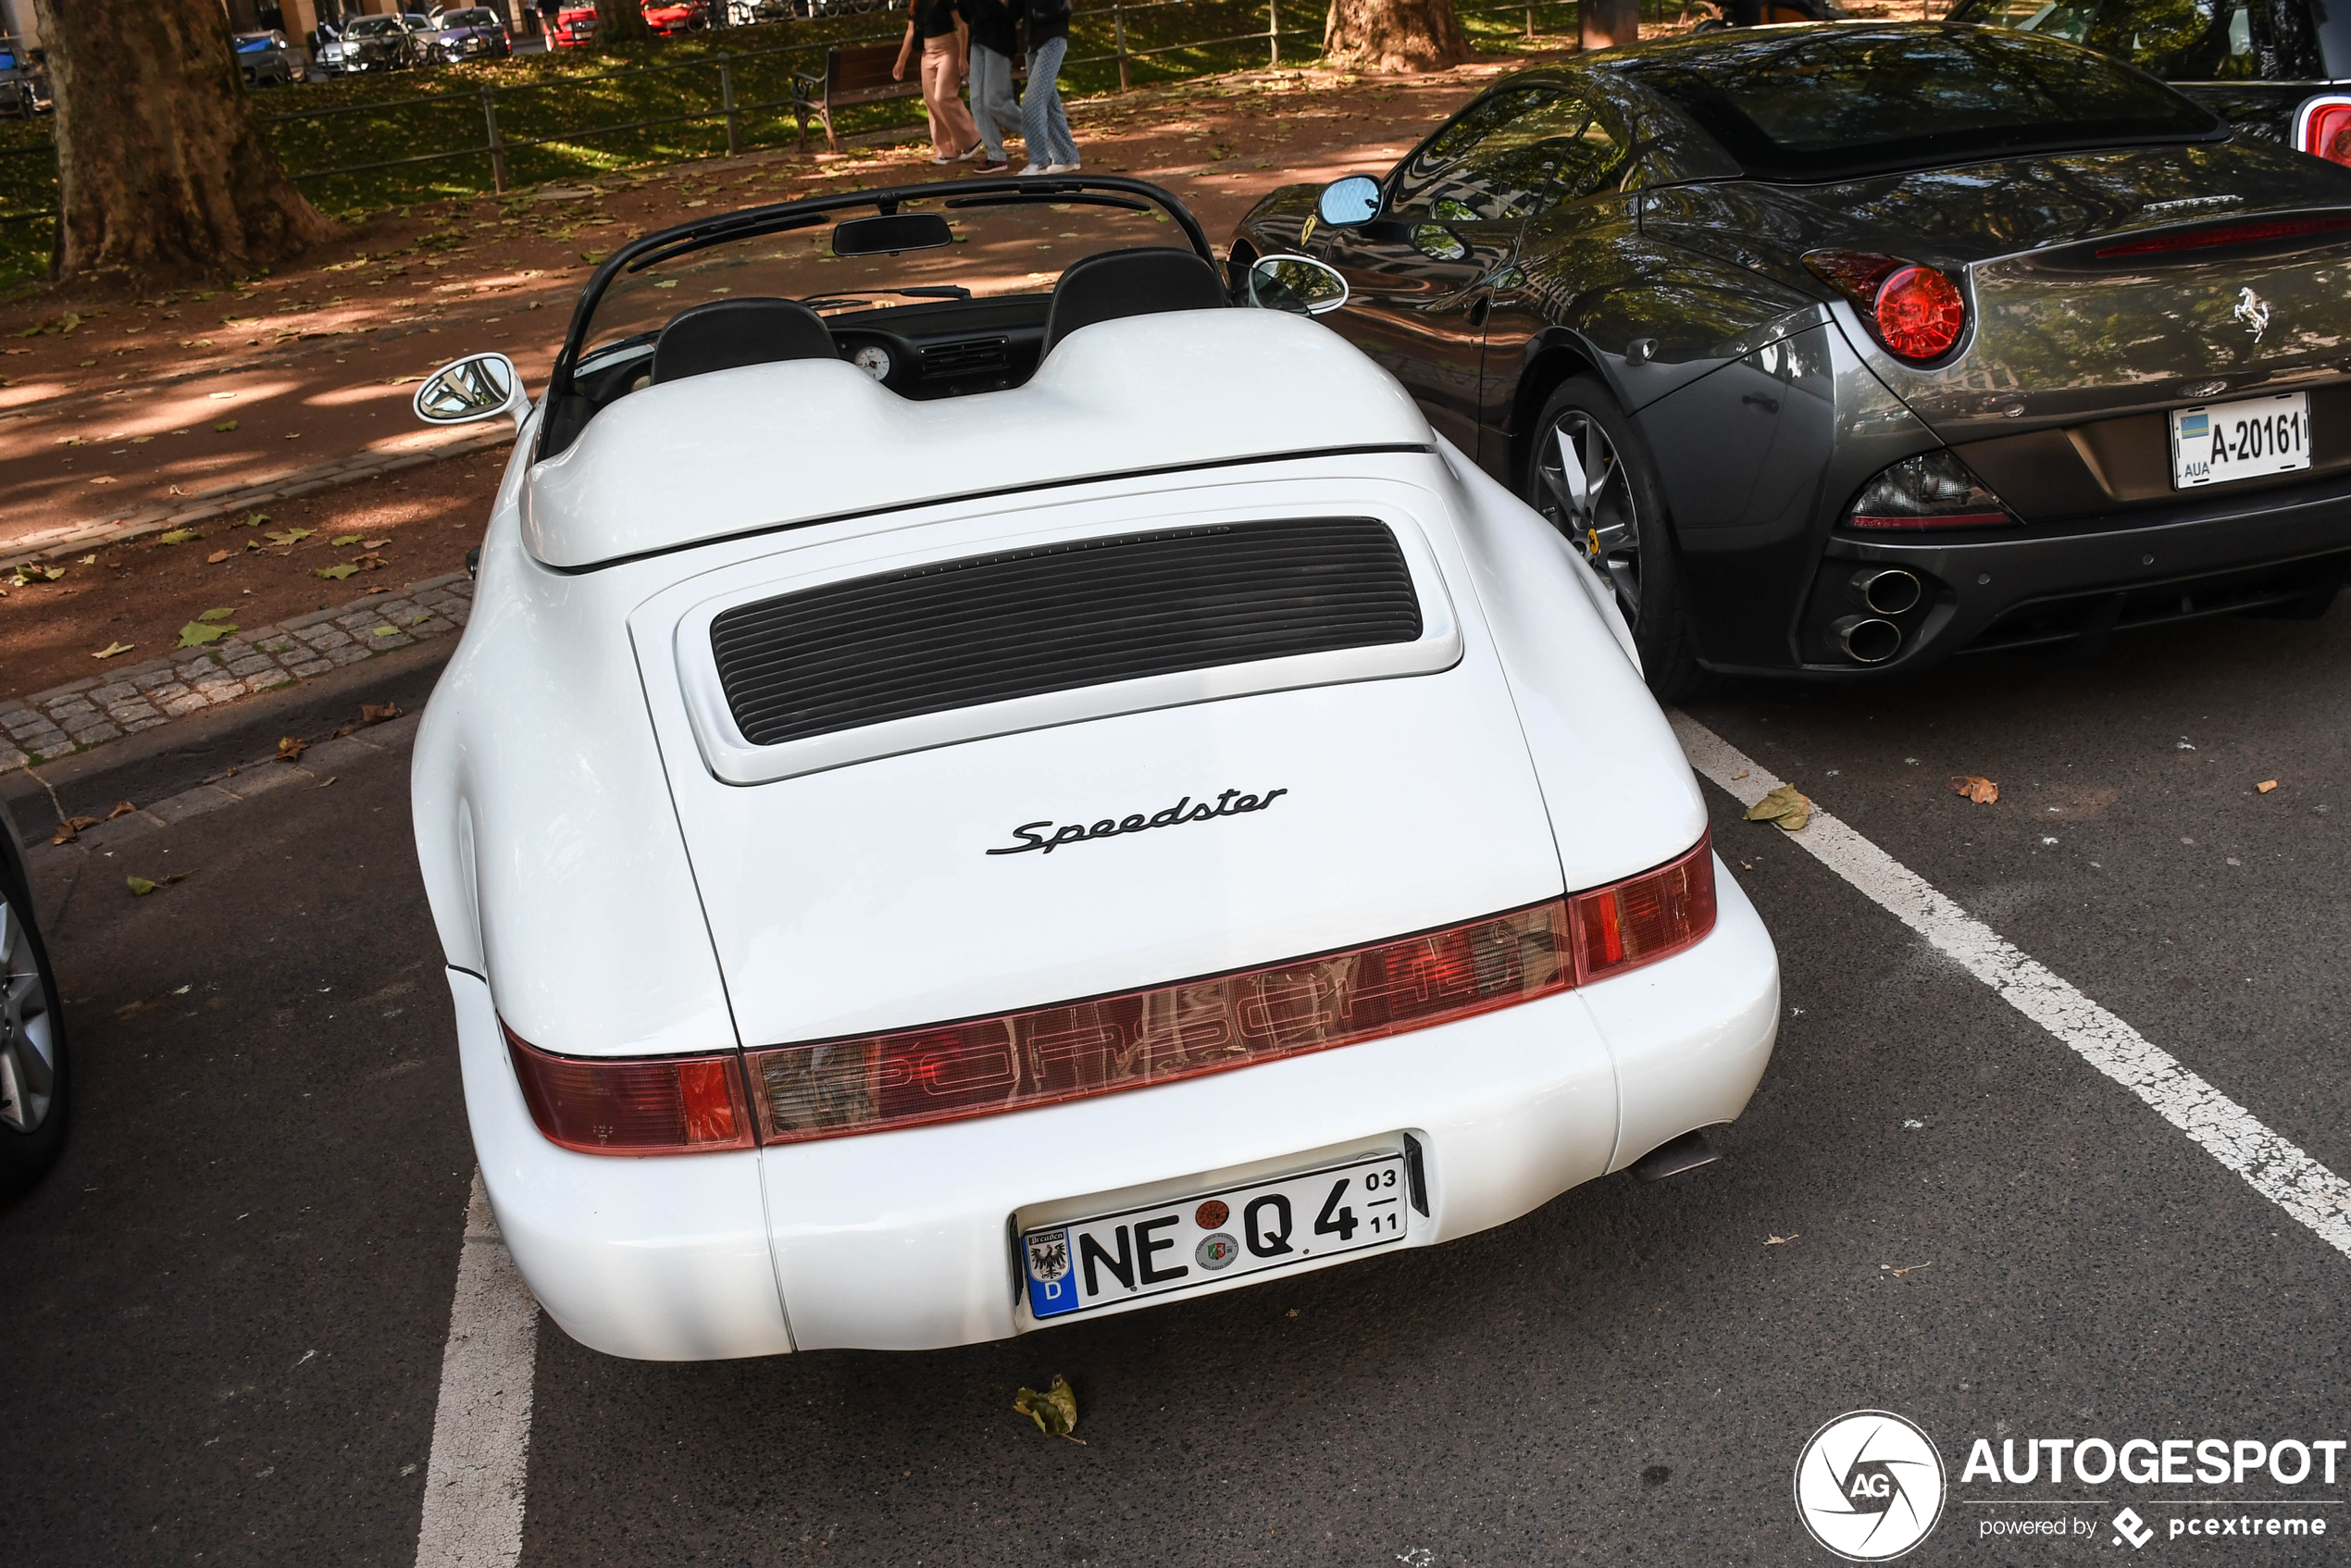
x=1133, y=1039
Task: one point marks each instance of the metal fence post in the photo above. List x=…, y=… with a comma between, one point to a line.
x=1118, y=22
x=726, y=99
x=497, y=148
x=1273, y=32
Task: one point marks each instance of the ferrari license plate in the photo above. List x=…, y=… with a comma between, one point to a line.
x=2240, y=440
x=1188, y=1243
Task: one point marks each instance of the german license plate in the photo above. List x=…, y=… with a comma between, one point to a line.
x=1189, y=1243
x=2240, y=440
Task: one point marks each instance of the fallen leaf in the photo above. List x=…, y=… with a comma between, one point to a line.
x=290, y=747
x=343, y=731
x=290, y=536
x=216, y=557
x=111, y=649
x=1898, y=1272
x=1785, y=805
x=1054, y=1410
x=195, y=634
x=341, y=539
x=179, y=536
x=378, y=544
x=122, y=808
x=253, y=520
x=336, y=573
x=221, y=614
x=1782, y=1240
x=386, y=632
x=70, y=828
x=1983, y=792
x=225, y=426
x=2267, y=785
x=376, y=713
x=140, y=887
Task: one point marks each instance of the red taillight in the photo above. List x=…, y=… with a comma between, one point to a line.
x=2234, y=233
x=1918, y=312
x=2322, y=127
x=636, y=1105
x=1138, y=1038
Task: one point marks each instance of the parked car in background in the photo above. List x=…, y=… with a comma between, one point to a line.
x=473, y=33
x=33, y=1034
x=676, y=17
x=575, y=27
x=263, y=60
x=2276, y=69
x=370, y=43
x=424, y=33
x=1855, y=345
x=24, y=84
x=749, y=13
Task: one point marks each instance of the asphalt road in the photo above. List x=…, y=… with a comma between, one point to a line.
x=228, y=1305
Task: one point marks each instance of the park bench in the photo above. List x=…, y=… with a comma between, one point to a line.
x=857, y=75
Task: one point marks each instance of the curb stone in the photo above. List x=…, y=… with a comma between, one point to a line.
x=96, y=709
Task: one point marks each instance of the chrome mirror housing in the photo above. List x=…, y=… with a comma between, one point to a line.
x=1296, y=283
x=481, y=386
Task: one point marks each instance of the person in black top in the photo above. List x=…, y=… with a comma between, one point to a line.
x=1044, y=123
x=995, y=44
x=945, y=43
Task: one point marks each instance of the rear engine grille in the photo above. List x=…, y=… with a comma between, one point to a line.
x=959, y=633
x=965, y=358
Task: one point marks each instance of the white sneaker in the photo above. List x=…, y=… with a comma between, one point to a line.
x=1061, y=169
x=1034, y=168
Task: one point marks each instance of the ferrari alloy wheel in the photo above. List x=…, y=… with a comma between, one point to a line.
x=1587, y=495
x=1587, y=475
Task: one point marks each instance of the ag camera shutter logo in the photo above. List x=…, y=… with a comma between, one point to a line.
x=1868, y=1485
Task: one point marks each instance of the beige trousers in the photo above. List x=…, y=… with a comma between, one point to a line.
x=951, y=131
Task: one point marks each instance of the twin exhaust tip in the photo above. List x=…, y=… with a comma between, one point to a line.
x=1883, y=590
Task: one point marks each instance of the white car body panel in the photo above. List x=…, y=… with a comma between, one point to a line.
x=613, y=875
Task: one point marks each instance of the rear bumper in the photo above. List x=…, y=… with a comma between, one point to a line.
x=903, y=1241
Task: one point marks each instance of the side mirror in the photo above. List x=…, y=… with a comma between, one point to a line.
x=1296, y=283
x=481, y=386
x=1350, y=201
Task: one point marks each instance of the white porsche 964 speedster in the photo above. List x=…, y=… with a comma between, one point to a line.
x=987, y=786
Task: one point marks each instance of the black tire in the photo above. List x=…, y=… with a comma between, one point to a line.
x=1618, y=524
x=29, y=1000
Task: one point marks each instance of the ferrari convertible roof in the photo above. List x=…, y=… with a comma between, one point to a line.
x=770, y=447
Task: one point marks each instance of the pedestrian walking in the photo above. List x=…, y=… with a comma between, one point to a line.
x=1044, y=123
x=946, y=61
x=995, y=44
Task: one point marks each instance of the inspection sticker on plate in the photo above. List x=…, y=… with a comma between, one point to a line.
x=2240, y=440
x=1186, y=1244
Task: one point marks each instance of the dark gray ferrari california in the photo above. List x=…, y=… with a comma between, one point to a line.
x=1851, y=346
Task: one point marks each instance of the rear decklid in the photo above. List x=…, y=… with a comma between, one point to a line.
x=1052, y=747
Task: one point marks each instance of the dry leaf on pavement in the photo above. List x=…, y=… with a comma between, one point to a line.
x=122, y=808
x=1054, y=1410
x=195, y=634
x=376, y=713
x=1786, y=805
x=1981, y=790
x=140, y=887
x=216, y=557
x=70, y=828
x=290, y=747
x=112, y=648
x=1781, y=1240
x=2267, y=785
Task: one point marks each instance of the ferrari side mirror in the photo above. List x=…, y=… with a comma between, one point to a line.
x=481, y=386
x=1350, y=201
x=1296, y=283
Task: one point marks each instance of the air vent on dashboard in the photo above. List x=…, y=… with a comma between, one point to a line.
x=965, y=358
x=992, y=628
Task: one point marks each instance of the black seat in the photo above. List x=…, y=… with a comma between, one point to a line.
x=726, y=333
x=1116, y=283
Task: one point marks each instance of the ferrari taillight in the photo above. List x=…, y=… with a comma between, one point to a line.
x=633, y=1105
x=1137, y=1039
x=2322, y=127
x=1917, y=311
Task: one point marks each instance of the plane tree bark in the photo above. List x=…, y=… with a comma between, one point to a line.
x=1393, y=36
x=164, y=174
x=622, y=21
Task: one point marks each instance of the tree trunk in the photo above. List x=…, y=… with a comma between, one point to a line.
x=164, y=175
x=621, y=21
x=1393, y=36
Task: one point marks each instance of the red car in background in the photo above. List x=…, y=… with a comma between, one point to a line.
x=576, y=25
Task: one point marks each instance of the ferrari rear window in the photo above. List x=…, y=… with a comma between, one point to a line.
x=1834, y=103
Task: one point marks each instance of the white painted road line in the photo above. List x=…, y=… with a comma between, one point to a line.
x=2224, y=1129
x=482, y=1427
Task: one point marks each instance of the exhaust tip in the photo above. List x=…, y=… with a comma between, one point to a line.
x=1887, y=591
x=1687, y=1152
x=1867, y=640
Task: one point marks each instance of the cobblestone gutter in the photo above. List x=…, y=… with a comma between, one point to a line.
x=92, y=712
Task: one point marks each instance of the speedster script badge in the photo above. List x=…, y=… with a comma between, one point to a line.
x=1232, y=803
